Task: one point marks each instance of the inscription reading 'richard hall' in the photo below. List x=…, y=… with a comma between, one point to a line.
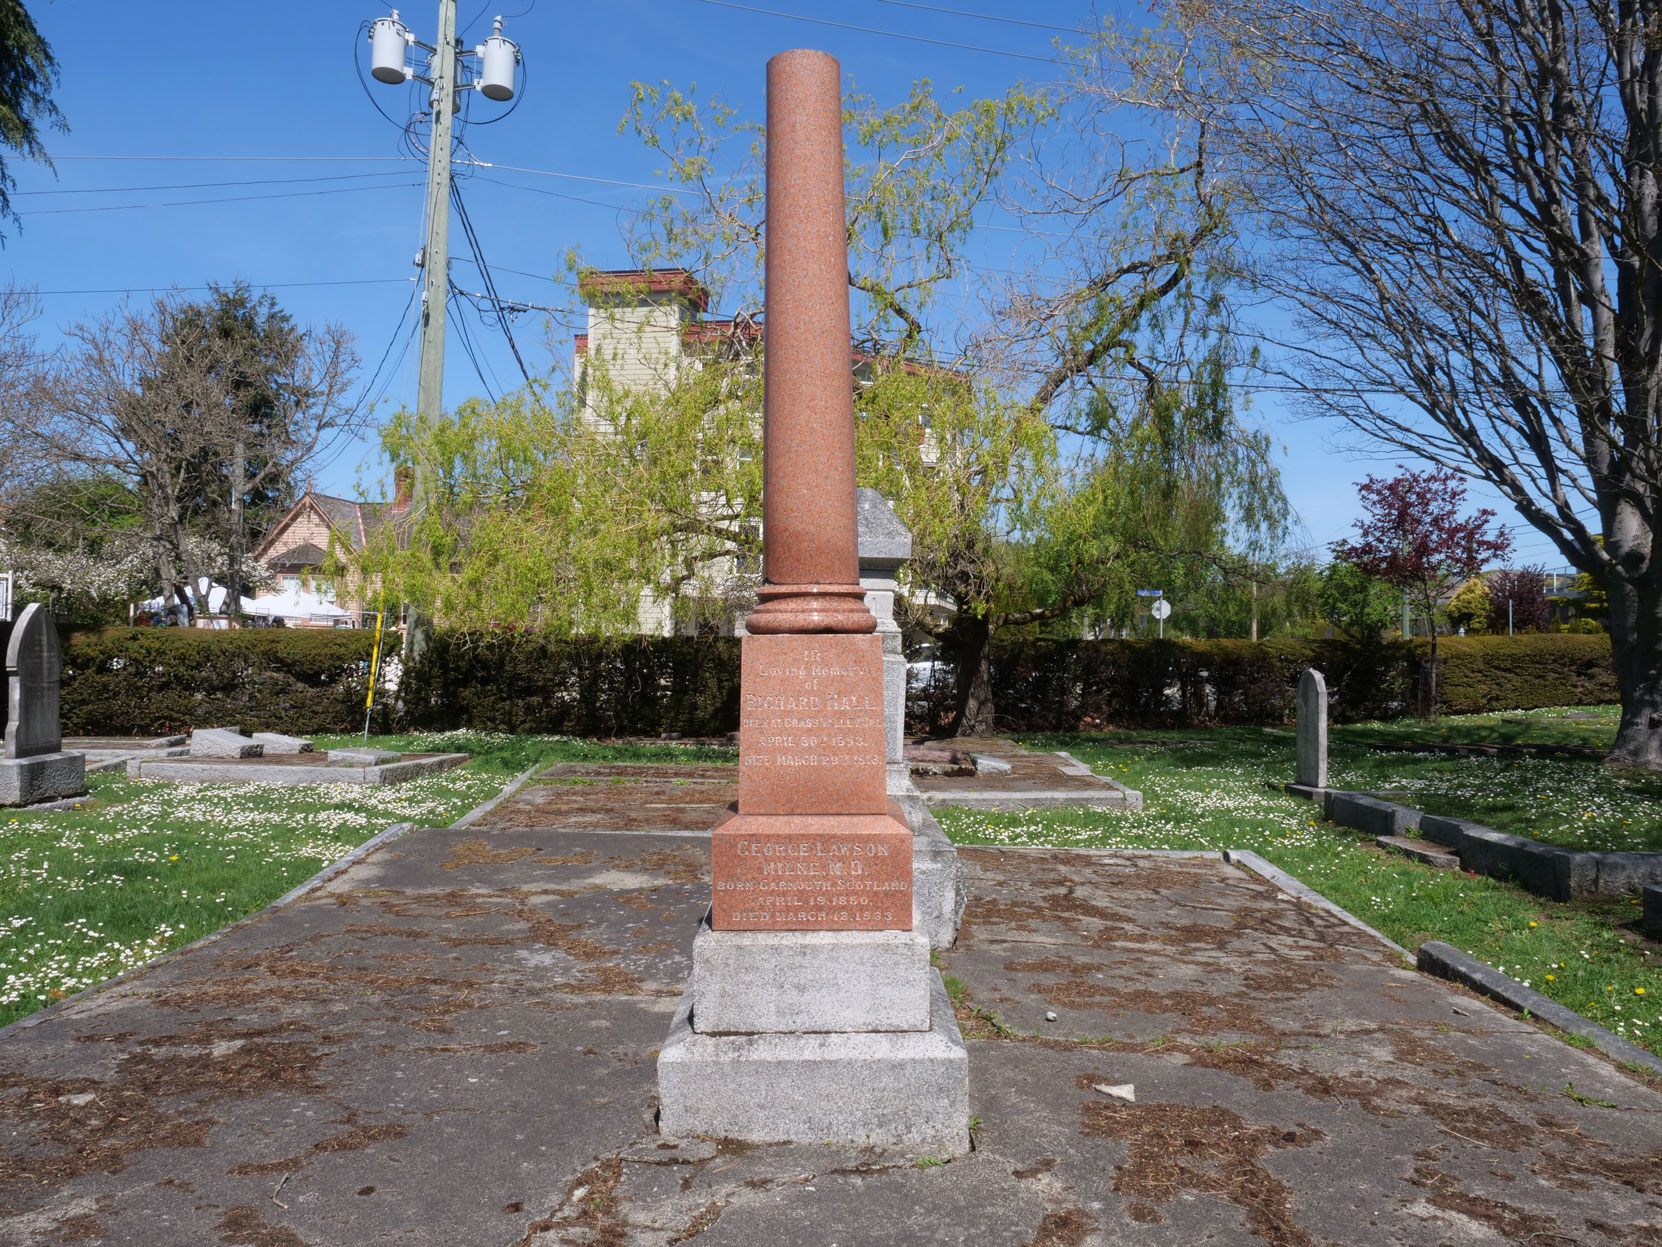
x=811, y=723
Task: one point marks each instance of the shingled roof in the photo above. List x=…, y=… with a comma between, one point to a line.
x=351, y=523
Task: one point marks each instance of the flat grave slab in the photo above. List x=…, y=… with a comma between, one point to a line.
x=454, y=1042
x=288, y=769
x=1033, y=780
x=1427, y=852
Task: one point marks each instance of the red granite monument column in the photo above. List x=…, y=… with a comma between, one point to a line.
x=815, y=845
x=810, y=561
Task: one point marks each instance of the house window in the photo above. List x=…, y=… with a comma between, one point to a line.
x=291, y=584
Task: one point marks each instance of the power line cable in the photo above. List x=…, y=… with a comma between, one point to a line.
x=980, y=17
x=226, y=199
x=264, y=285
x=502, y=316
x=180, y=186
x=481, y=164
x=888, y=34
x=507, y=17
x=466, y=339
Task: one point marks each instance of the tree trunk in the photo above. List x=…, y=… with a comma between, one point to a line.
x=972, y=642
x=1636, y=653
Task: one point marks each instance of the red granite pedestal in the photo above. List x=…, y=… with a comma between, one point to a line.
x=813, y=1012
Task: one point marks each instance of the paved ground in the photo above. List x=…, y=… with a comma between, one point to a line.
x=453, y=1043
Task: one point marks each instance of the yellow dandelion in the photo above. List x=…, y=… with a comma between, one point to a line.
x=1534, y=924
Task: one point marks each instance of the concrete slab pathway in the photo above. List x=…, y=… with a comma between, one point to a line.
x=453, y=1042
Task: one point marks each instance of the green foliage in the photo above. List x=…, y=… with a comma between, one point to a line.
x=1355, y=603
x=155, y=681
x=513, y=681
x=1045, y=685
x=28, y=72
x=1470, y=607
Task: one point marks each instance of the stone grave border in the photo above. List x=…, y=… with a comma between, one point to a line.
x=1548, y=870
x=337, y=867
x=229, y=771
x=1444, y=961
x=1116, y=796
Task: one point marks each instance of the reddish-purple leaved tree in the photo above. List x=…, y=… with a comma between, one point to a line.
x=1414, y=538
x=1524, y=591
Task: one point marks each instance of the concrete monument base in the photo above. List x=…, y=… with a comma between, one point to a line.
x=43, y=777
x=893, y=1088
x=937, y=884
x=750, y=982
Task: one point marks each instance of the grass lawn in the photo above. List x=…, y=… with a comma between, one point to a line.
x=1208, y=791
x=144, y=867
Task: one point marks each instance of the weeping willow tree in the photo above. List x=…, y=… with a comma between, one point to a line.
x=1074, y=426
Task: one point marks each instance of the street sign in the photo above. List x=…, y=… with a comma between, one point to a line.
x=1150, y=593
x=1161, y=609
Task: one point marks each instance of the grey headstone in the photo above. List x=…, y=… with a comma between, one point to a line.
x=276, y=743
x=1311, y=766
x=882, y=538
x=885, y=543
x=223, y=742
x=33, y=667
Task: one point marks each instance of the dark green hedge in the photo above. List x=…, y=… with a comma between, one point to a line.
x=580, y=686
x=1041, y=685
x=154, y=681
x=1525, y=672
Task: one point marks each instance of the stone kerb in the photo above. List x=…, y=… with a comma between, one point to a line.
x=1548, y=870
x=35, y=769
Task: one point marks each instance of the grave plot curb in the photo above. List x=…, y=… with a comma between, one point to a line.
x=1444, y=961
x=1447, y=962
x=337, y=867
x=1249, y=860
x=1548, y=870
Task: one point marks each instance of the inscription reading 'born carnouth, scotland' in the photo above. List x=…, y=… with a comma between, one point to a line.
x=811, y=725
x=809, y=872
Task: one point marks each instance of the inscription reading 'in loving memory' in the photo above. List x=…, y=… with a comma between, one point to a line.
x=821, y=722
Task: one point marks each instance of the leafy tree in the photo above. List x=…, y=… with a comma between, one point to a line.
x=167, y=398
x=1518, y=601
x=28, y=72
x=1108, y=354
x=1413, y=537
x=1359, y=605
x=1090, y=423
x=1470, y=607
x=262, y=432
x=1461, y=201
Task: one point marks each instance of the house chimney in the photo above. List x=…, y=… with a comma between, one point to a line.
x=403, y=478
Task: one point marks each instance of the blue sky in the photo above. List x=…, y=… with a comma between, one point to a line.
x=258, y=97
